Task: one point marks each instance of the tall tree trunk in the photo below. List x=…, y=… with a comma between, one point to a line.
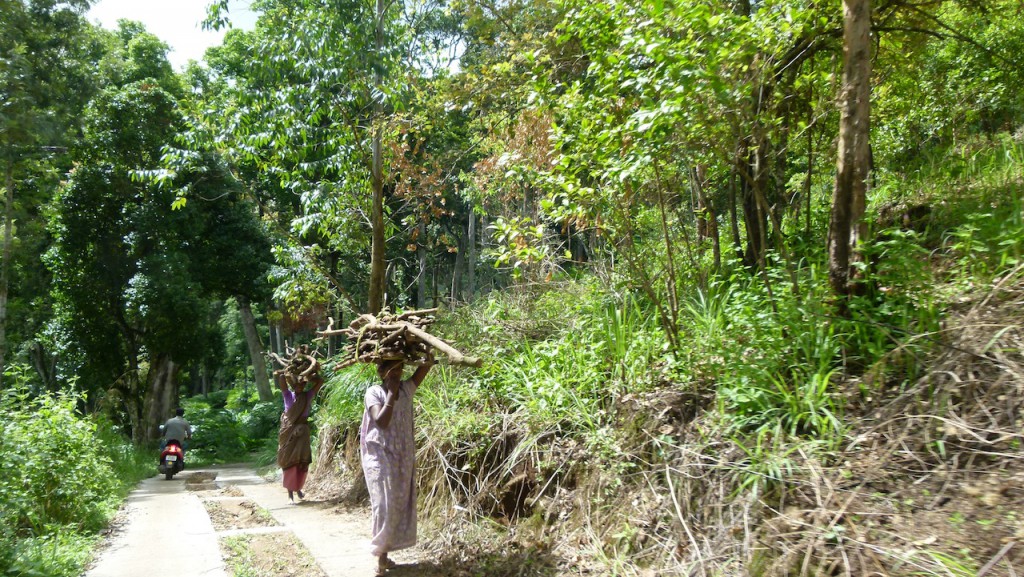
x=252, y=338
x=421, y=281
x=161, y=395
x=433, y=282
x=850, y=194
x=457, y=271
x=734, y=225
x=275, y=337
x=751, y=174
x=45, y=364
x=377, y=254
x=707, y=219
x=471, y=257
x=5, y=268
x=131, y=396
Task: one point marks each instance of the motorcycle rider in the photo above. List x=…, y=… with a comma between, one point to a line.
x=177, y=429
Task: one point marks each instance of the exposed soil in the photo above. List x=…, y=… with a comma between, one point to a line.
x=201, y=481
x=229, y=515
x=268, y=555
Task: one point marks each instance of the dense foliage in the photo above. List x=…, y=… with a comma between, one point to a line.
x=63, y=478
x=626, y=208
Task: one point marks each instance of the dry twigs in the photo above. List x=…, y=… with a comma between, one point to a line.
x=300, y=366
x=394, y=336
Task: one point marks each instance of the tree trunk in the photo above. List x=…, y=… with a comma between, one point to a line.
x=421, y=281
x=707, y=218
x=850, y=194
x=751, y=174
x=5, y=267
x=734, y=225
x=377, y=255
x=133, y=406
x=433, y=282
x=45, y=364
x=275, y=338
x=259, y=363
x=161, y=395
x=471, y=257
x=457, y=272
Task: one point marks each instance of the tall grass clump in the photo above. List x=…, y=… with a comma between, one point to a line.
x=64, y=475
x=344, y=392
x=557, y=355
x=557, y=358
x=771, y=356
x=991, y=241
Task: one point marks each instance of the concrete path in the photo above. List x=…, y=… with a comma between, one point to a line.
x=160, y=509
x=339, y=541
x=167, y=534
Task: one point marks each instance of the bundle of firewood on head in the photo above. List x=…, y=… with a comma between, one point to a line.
x=301, y=366
x=382, y=337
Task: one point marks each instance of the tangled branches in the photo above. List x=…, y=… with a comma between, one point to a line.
x=394, y=336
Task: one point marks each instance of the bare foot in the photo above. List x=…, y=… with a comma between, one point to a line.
x=383, y=564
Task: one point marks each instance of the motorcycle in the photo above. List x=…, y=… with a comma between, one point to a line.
x=172, y=458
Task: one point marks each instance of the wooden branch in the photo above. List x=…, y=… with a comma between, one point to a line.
x=404, y=336
x=418, y=313
x=456, y=357
x=278, y=359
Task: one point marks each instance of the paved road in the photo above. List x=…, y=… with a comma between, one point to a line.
x=338, y=541
x=167, y=534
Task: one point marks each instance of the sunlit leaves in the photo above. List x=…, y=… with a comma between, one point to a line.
x=520, y=246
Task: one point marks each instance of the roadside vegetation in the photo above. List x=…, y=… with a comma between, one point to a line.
x=779, y=436
x=64, y=477
x=722, y=335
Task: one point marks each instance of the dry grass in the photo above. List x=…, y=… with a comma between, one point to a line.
x=929, y=480
x=933, y=476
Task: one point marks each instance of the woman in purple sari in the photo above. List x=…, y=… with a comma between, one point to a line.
x=388, y=453
x=293, y=443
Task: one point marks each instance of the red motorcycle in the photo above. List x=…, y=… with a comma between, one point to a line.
x=172, y=459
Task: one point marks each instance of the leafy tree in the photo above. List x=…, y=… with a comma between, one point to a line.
x=132, y=277
x=943, y=73
x=46, y=61
x=311, y=108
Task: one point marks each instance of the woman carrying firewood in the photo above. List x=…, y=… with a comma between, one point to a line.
x=293, y=446
x=388, y=453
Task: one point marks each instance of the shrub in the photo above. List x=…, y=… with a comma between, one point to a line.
x=216, y=433
x=343, y=404
x=260, y=423
x=55, y=470
x=59, y=484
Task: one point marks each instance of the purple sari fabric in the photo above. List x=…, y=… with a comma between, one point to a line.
x=389, y=465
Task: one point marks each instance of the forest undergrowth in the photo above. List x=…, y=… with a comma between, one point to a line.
x=780, y=438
